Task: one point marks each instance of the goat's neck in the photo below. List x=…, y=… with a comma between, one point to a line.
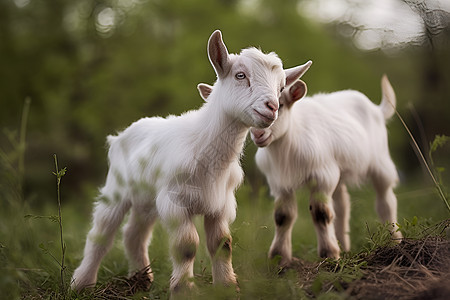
x=283, y=144
x=222, y=138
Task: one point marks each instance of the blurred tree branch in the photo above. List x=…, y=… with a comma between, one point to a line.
x=436, y=21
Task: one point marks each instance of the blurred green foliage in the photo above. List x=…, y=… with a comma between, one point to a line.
x=91, y=68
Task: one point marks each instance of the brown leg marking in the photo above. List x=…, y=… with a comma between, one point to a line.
x=321, y=213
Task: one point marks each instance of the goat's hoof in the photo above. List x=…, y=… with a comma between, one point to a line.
x=329, y=253
x=397, y=236
x=79, y=285
x=280, y=259
x=182, y=287
x=292, y=263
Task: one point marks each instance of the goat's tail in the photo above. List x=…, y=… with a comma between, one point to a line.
x=388, y=101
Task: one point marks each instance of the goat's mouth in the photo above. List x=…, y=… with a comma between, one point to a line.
x=268, y=119
x=262, y=140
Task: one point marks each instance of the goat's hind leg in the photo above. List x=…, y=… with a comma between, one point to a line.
x=341, y=201
x=136, y=238
x=107, y=217
x=384, y=182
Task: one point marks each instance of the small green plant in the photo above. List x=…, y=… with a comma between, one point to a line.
x=420, y=228
x=439, y=141
x=59, y=173
x=380, y=237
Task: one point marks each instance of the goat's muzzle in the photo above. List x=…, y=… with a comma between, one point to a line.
x=261, y=137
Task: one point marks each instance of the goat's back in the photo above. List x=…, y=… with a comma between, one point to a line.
x=341, y=131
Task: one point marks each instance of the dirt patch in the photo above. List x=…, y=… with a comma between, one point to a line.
x=413, y=269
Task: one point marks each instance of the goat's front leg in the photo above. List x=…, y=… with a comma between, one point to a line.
x=218, y=239
x=321, y=209
x=285, y=215
x=184, y=241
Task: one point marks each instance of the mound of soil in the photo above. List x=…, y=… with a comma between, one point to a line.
x=413, y=269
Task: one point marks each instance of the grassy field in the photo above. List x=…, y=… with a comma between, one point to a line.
x=30, y=249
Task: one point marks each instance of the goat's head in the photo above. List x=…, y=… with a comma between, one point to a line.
x=264, y=137
x=250, y=83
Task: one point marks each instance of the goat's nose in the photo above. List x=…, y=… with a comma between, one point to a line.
x=272, y=105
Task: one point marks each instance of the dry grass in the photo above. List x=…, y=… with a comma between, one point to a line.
x=122, y=287
x=413, y=269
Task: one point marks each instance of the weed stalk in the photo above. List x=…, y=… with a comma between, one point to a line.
x=422, y=157
x=22, y=140
x=59, y=174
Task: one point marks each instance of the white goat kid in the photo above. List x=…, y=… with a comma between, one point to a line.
x=178, y=167
x=325, y=142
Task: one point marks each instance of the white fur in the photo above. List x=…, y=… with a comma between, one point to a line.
x=180, y=166
x=325, y=142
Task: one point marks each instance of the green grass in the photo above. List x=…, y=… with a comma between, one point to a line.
x=30, y=247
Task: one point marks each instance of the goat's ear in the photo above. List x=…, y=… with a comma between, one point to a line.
x=295, y=73
x=297, y=91
x=205, y=90
x=218, y=54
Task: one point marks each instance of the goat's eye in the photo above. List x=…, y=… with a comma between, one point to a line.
x=240, y=76
x=282, y=89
